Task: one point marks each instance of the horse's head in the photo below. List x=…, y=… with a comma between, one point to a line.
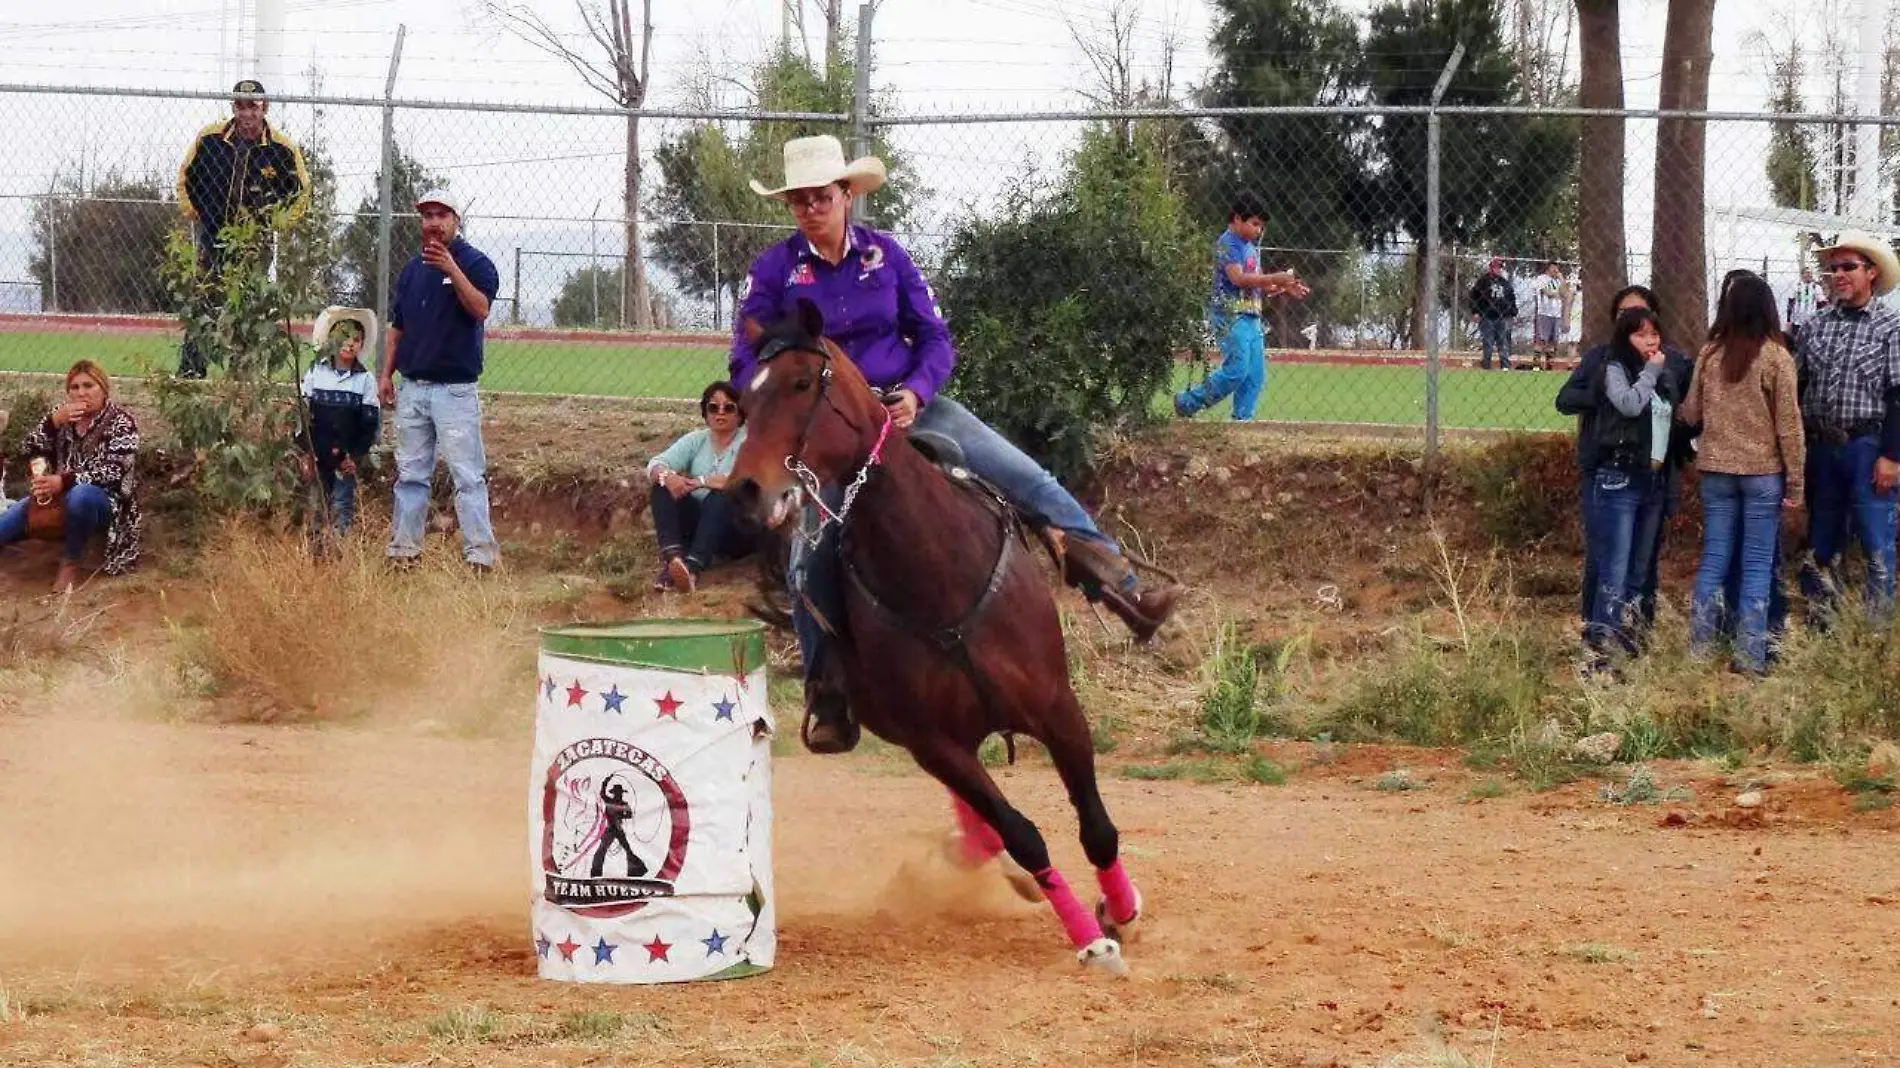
x=808, y=408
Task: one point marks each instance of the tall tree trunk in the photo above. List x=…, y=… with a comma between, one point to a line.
x=834, y=37
x=1676, y=260
x=638, y=309
x=1602, y=246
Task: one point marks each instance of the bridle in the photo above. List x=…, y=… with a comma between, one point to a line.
x=808, y=479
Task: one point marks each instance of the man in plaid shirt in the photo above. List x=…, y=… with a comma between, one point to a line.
x=1849, y=359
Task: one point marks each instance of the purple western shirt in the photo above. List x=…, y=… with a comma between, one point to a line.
x=876, y=304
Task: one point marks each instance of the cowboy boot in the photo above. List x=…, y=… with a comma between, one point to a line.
x=828, y=727
x=1104, y=575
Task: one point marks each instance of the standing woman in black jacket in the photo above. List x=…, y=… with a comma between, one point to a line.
x=1579, y=397
x=1636, y=398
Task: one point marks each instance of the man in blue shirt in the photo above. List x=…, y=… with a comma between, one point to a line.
x=1233, y=315
x=436, y=319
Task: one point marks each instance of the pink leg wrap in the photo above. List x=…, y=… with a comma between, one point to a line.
x=1118, y=891
x=1076, y=920
x=980, y=840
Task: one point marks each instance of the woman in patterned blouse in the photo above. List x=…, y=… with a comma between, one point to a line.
x=91, y=448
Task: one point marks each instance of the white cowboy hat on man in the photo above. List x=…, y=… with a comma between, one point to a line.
x=815, y=162
x=1877, y=251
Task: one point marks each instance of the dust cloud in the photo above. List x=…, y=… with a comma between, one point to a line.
x=123, y=837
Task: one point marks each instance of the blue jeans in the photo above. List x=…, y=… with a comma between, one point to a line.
x=1624, y=528
x=1741, y=526
x=1842, y=498
x=1495, y=336
x=88, y=511
x=431, y=419
x=816, y=575
x=338, y=492
x=1242, y=372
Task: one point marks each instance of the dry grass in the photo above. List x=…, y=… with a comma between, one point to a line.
x=296, y=638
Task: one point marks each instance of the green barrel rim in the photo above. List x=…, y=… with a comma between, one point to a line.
x=707, y=646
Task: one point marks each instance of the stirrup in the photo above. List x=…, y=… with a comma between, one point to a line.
x=848, y=733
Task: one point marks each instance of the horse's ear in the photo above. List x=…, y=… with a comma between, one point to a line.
x=810, y=319
x=753, y=331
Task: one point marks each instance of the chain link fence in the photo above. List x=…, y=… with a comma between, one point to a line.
x=590, y=305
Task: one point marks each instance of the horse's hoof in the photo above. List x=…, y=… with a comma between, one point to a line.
x=1022, y=882
x=1105, y=956
x=1126, y=931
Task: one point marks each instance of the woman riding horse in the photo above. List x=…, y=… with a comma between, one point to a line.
x=881, y=312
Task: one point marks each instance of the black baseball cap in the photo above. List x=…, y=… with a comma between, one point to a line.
x=249, y=85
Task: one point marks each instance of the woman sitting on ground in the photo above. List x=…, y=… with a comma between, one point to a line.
x=90, y=449
x=692, y=516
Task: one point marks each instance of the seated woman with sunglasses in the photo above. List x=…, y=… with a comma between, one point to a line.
x=880, y=311
x=692, y=516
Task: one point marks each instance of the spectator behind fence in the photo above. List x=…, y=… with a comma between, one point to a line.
x=881, y=313
x=1233, y=315
x=1805, y=302
x=89, y=447
x=1494, y=309
x=436, y=328
x=1547, y=324
x=1849, y=362
x=241, y=164
x=344, y=421
x=1636, y=397
x=693, y=518
x=1746, y=399
x=1579, y=397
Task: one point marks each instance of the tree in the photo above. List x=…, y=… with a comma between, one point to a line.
x=704, y=173
x=356, y=248
x=1309, y=171
x=1500, y=172
x=1069, y=305
x=587, y=298
x=1601, y=246
x=1677, y=264
x=1540, y=46
x=1791, y=163
x=98, y=249
x=623, y=76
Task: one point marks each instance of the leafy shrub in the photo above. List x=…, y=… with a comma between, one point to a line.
x=1071, y=303
x=1523, y=489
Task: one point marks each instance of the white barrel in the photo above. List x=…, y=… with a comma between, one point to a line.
x=650, y=802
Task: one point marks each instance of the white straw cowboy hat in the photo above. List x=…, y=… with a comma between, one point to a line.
x=1877, y=250
x=814, y=162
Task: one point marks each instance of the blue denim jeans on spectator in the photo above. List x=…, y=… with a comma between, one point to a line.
x=436, y=419
x=816, y=574
x=1625, y=523
x=1242, y=371
x=1495, y=336
x=333, y=499
x=1741, y=530
x=1842, y=501
x=88, y=511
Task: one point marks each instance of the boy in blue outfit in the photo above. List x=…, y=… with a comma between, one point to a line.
x=1233, y=315
x=344, y=421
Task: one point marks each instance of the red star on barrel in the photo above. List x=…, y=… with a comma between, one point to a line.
x=567, y=946
x=669, y=705
x=656, y=950
x=575, y=694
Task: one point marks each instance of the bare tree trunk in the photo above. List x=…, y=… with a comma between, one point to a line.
x=834, y=36
x=633, y=275
x=1600, y=239
x=1677, y=262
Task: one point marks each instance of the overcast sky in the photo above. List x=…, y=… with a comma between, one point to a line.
x=931, y=56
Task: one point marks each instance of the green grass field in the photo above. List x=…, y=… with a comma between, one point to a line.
x=1296, y=392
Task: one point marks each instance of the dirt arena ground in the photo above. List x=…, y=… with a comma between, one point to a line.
x=185, y=894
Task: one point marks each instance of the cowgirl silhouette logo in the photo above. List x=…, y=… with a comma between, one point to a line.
x=614, y=828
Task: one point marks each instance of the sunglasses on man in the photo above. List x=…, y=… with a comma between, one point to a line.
x=1844, y=268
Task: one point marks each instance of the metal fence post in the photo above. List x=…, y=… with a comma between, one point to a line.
x=861, y=98
x=719, y=285
x=514, y=316
x=1430, y=296
x=52, y=255
x=386, y=192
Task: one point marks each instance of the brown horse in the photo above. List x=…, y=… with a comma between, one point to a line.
x=951, y=634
